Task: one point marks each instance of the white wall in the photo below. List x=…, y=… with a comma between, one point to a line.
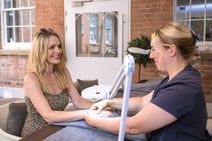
x=102, y=68
x=8, y=92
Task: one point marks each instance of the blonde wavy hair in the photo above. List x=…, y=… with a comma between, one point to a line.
x=37, y=62
x=179, y=35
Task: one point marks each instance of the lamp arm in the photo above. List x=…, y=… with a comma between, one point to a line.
x=129, y=68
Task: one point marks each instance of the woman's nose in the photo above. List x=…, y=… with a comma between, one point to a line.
x=151, y=55
x=58, y=49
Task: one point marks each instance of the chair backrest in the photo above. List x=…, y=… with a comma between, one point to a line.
x=4, y=110
x=16, y=118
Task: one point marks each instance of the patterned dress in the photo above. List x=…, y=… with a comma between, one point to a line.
x=34, y=120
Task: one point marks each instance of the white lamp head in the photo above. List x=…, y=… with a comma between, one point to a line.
x=137, y=50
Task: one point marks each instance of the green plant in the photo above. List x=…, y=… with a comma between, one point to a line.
x=140, y=42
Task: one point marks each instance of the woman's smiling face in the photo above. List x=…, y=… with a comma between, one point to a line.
x=54, y=52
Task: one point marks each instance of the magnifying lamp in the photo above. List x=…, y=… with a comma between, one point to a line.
x=125, y=73
x=127, y=86
x=137, y=50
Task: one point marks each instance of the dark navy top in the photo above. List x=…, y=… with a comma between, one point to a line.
x=182, y=97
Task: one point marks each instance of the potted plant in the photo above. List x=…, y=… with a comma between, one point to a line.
x=142, y=42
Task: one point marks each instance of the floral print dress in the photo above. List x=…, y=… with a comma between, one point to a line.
x=34, y=120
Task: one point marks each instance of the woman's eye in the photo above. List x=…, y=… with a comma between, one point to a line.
x=55, y=46
x=59, y=46
x=51, y=47
x=152, y=49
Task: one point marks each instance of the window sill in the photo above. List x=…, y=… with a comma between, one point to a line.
x=206, y=55
x=205, y=51
x=13, y=52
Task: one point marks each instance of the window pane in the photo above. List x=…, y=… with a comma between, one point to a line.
x=11, y=3
x=19, y=23
x=8, y=4
x=198, y=18
x=82, y=35
x=10, y=18
x=24, y=3
x=11, y=35
x=31, y=2
x=13, y=18
x=16, y=3
x=198, y=27
x=185, y=23
x=93, y=28
x=209, y=9
x=96, y=34
x=26, y=17
x=18, y=19
x=197, y=9
x=18, y=34
x=182, y=10
x=111, y=34
x=26, y=34
x=32, y=12
x=208, y=36
x=108, y=30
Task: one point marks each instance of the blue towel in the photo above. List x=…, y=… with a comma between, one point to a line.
x=80, y=131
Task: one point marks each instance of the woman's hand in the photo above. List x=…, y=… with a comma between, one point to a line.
x=105, y=114
x=99, y=106
x=92, y=115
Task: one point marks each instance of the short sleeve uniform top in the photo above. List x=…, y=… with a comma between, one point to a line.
x=182, y=97
x=34, y=120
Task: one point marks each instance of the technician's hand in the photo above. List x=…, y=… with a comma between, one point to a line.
x=105, y=114
x=92, y=115
x=99, y=106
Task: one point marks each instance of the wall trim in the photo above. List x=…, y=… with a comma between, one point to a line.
x=14, y=52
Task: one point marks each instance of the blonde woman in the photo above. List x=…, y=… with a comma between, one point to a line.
x=48, y=84
x=176, y=109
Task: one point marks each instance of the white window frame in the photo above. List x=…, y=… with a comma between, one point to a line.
x=94, y=38
x=21, y=44
x=97, y=65
x=203, y=45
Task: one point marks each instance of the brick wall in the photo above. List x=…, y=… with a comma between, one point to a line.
x=205, y=67
x=50, y=13
x=148, y=15
x=12, y=69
